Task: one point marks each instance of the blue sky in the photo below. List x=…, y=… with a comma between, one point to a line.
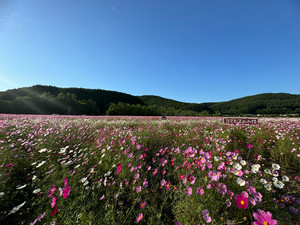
x=191, y=51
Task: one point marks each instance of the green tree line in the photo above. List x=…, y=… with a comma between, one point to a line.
x=41, y=99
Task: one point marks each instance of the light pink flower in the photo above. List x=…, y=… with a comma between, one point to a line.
x=189, y=191
x=263, y=218
x=138, y=219
x=53, y=201
x=66, y=181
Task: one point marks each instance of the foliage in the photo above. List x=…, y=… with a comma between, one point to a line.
x=52, y=100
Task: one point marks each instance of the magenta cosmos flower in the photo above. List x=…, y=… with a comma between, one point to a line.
x=263, y=218
x=119, y=168
x=241, y=201
x=191, y=179
x=66, y=192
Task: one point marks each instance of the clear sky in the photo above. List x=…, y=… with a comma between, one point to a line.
x=187, y=50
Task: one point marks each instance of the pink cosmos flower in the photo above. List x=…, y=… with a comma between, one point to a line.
x=155, y=172
x=138, y=219
x=206, y=216
x=138, y=189
x=66, y=192
x=189, y=191
x=249, y=146
x=200, y=191
x=263, y=218
x=52, y=189
x=252, y=201
x=53, y=201
x=10, y=165
x=245, y=193
x=102, y=197
x=119, y=168
x=214, y=175
x=66, y=181
x=145, y=183
x=191, y=179
x=163, y=182
x=142, y=205
x=241, y=201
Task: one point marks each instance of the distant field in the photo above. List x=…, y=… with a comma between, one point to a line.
x=148, y=170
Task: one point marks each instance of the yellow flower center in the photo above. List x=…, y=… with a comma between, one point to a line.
x=266, y=223
x=242, y=202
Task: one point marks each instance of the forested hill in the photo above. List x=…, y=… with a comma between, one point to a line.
x=267, y=104
x=41, y=99
x=169, y=103
x=53, y=100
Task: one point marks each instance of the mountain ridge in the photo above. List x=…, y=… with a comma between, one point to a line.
x=52, y=99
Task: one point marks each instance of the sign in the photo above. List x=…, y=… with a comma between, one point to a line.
x=240, y=121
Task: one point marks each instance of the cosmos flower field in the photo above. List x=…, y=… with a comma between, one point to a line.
x=144, y=170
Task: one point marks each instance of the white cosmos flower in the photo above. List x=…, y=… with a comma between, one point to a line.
x=107, y=174
x=237, y=166
x=1, y=194
x=83, y=179
x=40, y=164
x=19, y=187
x=34, y=177
x=42, y=150
x=285, y=178
x=275, y=179
x=240, y=181
x=243, y=162
x=255, y=168
x=263, y=181
x=275, y=166
x=36, y=191
x=15, y=209
x=268, y=171
x=63, y=150
x=279, y=184
x=268, y=187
